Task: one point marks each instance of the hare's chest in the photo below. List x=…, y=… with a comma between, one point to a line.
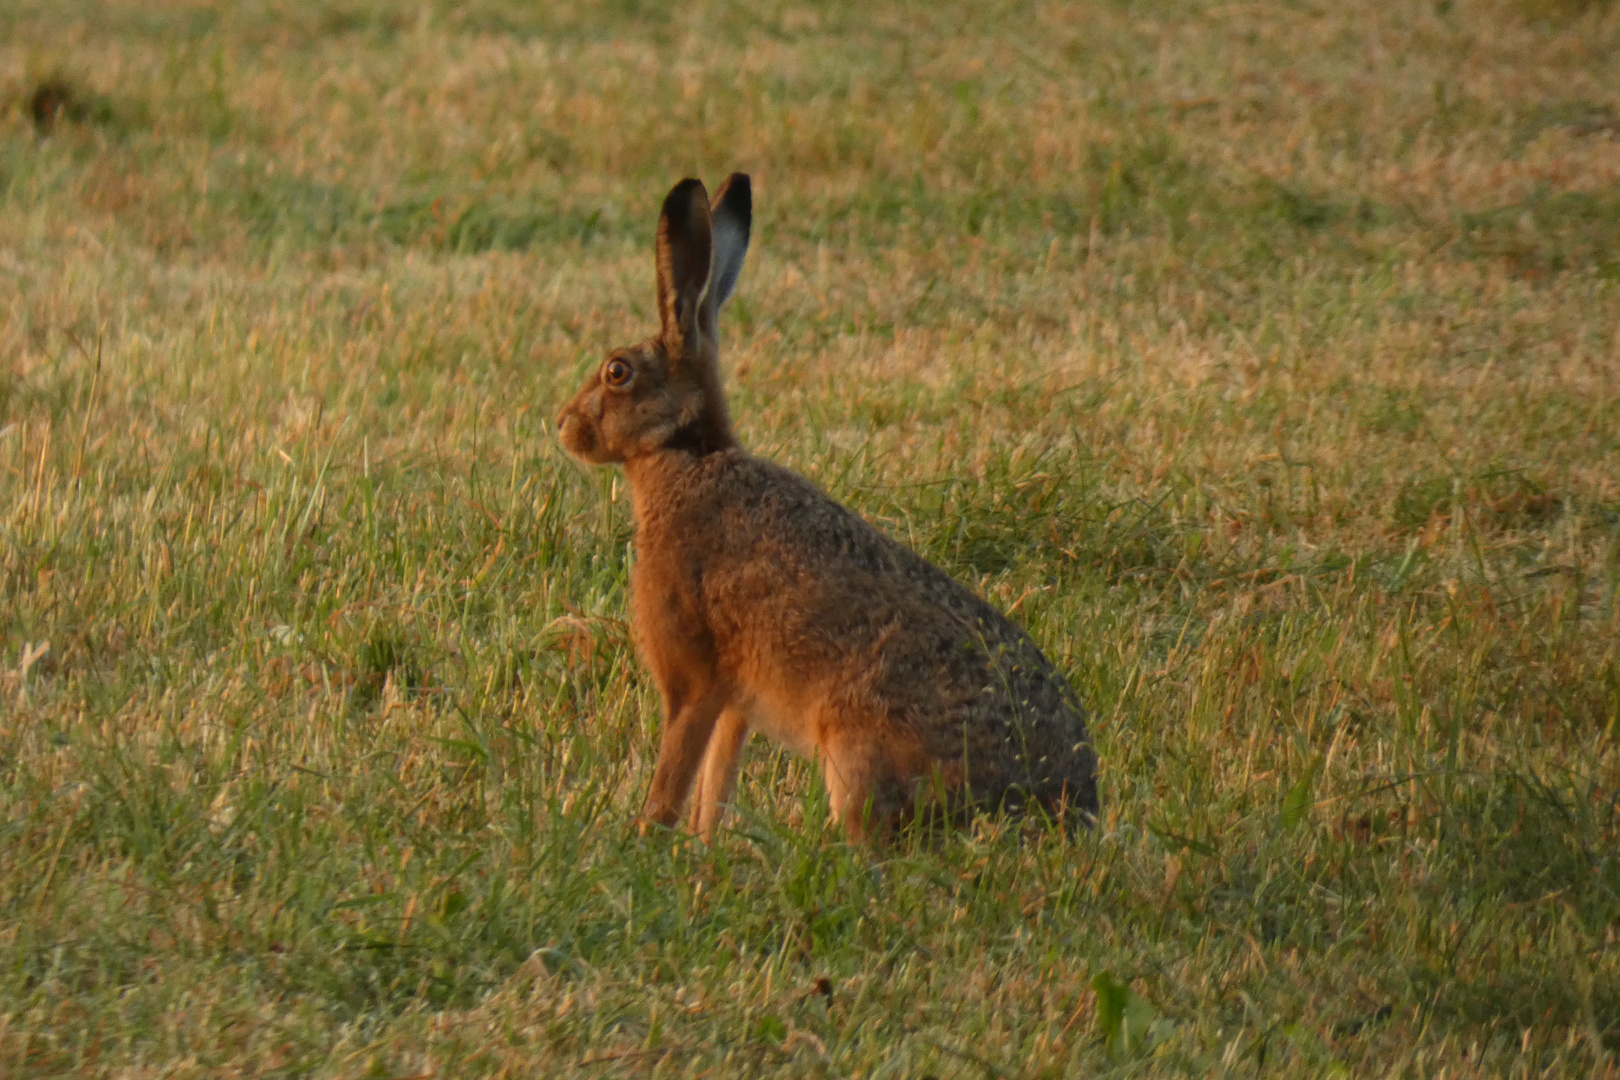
x=671, y=634
x=664, y=596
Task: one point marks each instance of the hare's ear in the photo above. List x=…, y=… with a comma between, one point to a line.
x=733, y=214
x=684, y=247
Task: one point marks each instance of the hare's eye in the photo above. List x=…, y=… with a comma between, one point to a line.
x=617, y=373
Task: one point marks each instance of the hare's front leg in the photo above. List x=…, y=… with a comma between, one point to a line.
x=688, y=726
x=717, y=776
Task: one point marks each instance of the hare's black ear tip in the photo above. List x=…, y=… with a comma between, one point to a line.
x=682, y=196
x=737, y=193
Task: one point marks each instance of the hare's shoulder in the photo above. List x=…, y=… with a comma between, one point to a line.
x=762, y=504
x=775, y=511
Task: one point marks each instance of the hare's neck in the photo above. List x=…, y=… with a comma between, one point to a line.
x=710, y=430
x=658, y=480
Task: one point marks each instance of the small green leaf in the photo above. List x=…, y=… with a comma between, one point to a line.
x=1139, y=1019
x=1301, y=797
x=453, y=904
x=1112, y=996
x=1128, y=1021
x=770, y=1028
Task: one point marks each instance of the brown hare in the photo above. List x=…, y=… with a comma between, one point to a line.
x=760, y=604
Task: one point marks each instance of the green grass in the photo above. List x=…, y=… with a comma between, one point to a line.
x=1261, y=356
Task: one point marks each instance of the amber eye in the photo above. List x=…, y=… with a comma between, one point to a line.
x=617, y=373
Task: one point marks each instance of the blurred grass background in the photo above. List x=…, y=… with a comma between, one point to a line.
x=1265, y=358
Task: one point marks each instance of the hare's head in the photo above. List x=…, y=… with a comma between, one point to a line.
x=664, y=393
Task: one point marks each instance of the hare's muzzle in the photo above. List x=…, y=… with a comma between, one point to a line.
x=577, y=434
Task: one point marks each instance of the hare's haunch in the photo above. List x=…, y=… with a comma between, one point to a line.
x=760, y=604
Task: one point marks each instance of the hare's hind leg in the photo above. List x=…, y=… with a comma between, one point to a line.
x=717, y=776
x=847, y=768
x=867, y=785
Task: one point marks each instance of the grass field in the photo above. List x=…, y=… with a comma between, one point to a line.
x=1264, y=357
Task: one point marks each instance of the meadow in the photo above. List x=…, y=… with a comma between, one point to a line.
x=1262, y=358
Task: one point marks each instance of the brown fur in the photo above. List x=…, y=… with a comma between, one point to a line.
x=760, y=604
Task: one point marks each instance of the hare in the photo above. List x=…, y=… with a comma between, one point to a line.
x=761, y=604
